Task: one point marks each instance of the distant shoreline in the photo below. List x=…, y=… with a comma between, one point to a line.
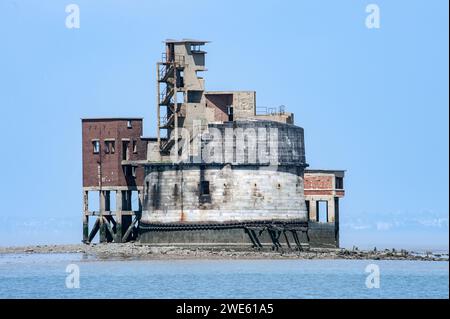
x=145, y=251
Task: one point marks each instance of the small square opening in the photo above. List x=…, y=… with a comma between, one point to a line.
x=204, y=188
x=194, y=96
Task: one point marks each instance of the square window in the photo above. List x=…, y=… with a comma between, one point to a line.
x=194, y=96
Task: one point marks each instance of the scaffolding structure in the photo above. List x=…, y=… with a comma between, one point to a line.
x=169, y=71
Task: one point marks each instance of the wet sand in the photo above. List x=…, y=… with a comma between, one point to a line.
x=144, y=251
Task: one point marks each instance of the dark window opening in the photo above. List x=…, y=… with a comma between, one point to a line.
x=336, y=210
x=129, y=124
x=129, y=170
x=339, y=183
x=194, y=96
x=96, y=146
x=180, y=78
x=110, y=147
x=204, y=188
x=134, y=146
x=170, y=52
x=307, y=208
x=125, y=152
x=230, y=113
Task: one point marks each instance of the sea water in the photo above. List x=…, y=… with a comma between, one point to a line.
x=52, y=276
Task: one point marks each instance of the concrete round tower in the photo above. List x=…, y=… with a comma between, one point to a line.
x=248, y=193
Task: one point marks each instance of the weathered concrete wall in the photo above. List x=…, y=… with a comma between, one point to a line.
x=236, y=237
x=193, y=62
x=153, y=153
x=283, y=143
x=246, y=190
x=197, y=237
x=236, y=193
x=287, y=118
x=323, y=234
x=244, y=104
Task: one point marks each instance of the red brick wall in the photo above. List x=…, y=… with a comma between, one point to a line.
x=318, y=184
x=111, y=169
x=219, y=102
x=321, y=184
x=319, y=181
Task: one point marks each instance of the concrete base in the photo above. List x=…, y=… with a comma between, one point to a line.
x=323, y=235
x=273, y=236
x=320, y=235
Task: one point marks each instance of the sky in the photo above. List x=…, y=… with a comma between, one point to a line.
x=372, y=101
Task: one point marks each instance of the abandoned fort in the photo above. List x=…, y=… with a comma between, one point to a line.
x=221, y=172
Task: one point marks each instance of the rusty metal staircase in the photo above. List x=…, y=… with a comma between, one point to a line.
x=168, y=76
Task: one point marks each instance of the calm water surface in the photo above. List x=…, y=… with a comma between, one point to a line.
x=44, y=276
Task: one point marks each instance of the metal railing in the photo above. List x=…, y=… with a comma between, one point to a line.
x=178, y=58
x=264, y=110
x=165, y=96
x=164, y=69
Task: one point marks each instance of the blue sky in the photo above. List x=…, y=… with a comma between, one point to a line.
x=372, y=101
